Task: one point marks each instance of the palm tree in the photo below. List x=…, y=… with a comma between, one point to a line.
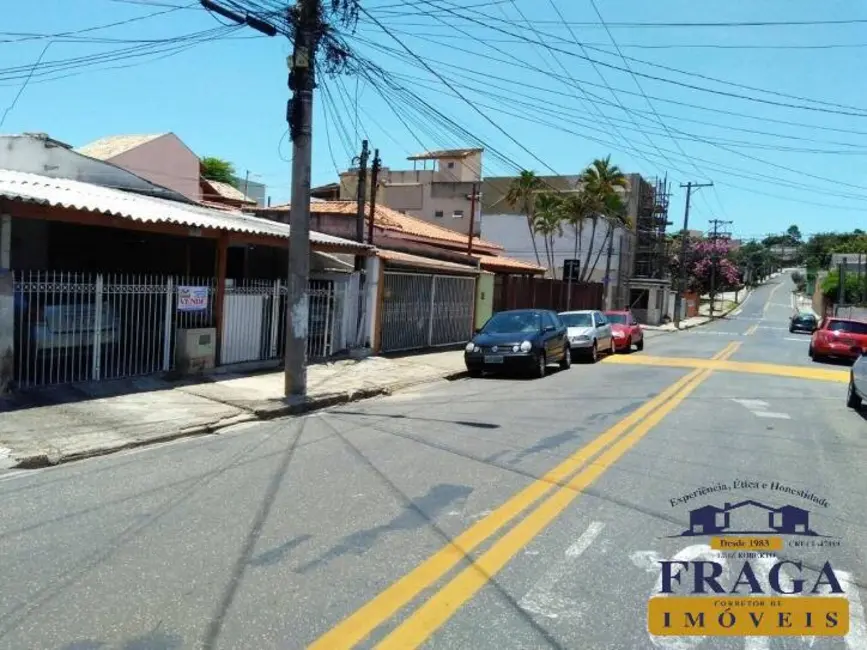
x=548, y=222
x=614, y=213
x=577, y=208
x=600, y=181
x=522, y=193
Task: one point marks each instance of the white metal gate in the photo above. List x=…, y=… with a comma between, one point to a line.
x=421, y=311
x=77, y=327
x=254, y=320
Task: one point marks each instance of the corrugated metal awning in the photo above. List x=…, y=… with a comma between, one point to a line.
x=67, y=193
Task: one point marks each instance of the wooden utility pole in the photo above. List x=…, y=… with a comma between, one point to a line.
x=361, y=200
x=374, y=190
x=681, y=283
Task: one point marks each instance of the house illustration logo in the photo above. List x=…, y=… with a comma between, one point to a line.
x=748, y=518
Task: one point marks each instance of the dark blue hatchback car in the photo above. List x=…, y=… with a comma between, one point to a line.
x=523, y=339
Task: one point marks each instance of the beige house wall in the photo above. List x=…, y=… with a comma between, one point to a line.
x=165, y=161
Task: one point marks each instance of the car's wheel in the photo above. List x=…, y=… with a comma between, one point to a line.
x=594, y=353
x=791, y=330
x=475, y=373
x=566, y=362
x=541, y=365
x=853, y=401
x=640, y=345
x=613, y=349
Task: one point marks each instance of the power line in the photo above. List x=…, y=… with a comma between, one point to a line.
x=857, y=112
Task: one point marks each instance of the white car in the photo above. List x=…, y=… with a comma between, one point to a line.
x=589, y=333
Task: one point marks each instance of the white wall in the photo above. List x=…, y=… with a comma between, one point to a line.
x=33, y=155
x=510, y=231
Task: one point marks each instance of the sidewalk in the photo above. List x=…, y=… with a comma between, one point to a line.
x=725, y=304
x=80, y=421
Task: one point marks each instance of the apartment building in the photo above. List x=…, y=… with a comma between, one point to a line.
x=439, y=188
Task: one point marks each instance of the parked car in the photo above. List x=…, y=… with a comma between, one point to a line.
x=837, y=338
x=627, y=332
x=522, y=339
x=857, y=379
x=590, y=333
x=803, y=322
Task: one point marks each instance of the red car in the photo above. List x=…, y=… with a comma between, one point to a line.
x=836, y=338
x=625, y=330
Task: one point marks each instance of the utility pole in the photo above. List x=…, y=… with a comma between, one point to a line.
x=716, y=223
x=300, y=117
x=473, y=197
x=374, y=190
x=374, y=187
x=841, y=283
x=361, y=198
x=681, y=283
x=608, y=267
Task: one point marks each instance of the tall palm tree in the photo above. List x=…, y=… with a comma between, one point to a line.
x=522, y=193
x=577, y=208
x=600, y=180
x=614, y=214
x=548, y=222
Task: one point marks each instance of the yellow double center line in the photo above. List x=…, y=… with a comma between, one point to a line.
x=418, y=627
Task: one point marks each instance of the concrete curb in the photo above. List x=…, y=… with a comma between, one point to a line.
x=50, y=459
x=715, y=318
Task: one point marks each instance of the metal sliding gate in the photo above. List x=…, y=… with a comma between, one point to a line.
x=422, y=311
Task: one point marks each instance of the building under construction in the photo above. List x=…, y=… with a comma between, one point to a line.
x=650, y=285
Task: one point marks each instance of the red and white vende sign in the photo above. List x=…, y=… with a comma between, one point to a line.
x=192, y=298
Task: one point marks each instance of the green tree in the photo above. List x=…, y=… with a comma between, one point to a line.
x=614, y=213
x=217, y=169
x=600, y=181
x=853, y=291
x=522, y=194
x=548, y=222
x=794, y=233
x=577, y=208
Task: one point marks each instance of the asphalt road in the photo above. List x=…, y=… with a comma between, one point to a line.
x=437, y=518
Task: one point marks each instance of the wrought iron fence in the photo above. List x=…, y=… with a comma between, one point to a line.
x=75, y=327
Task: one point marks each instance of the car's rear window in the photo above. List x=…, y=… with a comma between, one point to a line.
x=577, y=320
x=853, y=327
x=616, y=318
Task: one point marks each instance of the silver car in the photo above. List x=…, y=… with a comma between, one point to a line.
x=857, y=380
x=589, y=333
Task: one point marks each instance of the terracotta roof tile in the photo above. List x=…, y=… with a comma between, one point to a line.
x=422, y=262
x=393, y=220
x=227, y=191
x=496, y=262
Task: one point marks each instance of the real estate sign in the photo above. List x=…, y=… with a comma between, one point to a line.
x=192, y=298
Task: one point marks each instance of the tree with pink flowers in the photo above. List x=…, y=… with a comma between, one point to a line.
x=702, y=255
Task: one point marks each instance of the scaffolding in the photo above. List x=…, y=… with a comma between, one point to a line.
x=651, y=222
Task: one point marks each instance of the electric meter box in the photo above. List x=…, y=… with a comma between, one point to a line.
x=195, y=350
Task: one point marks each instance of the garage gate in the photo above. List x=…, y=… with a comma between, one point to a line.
x=421, y=311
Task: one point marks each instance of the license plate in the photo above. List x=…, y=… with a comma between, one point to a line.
x=493, y=358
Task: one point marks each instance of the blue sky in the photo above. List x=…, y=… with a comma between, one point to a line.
x=543, y=107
